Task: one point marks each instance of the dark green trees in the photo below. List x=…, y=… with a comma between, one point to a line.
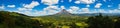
x=100, y=22
x=117, y=23
x=7, y=20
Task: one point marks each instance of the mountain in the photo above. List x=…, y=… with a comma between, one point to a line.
x=111, y=14
x=87, y=14
x=95, y=14
x=63, y=12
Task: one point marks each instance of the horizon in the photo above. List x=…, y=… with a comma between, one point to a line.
x=48, y=7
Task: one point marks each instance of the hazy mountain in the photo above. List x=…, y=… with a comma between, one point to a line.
x=62, y=13
x=66, y=13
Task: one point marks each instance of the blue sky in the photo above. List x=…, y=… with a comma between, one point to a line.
x=48, y=7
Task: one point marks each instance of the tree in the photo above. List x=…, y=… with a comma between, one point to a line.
x=7, y=20
x=100, y=22
x=117, y=23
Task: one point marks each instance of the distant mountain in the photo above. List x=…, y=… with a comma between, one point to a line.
x=111, y=14
x=95, y=14
x=87, y=14
x=63, y=12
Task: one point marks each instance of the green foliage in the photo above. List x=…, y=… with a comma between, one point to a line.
x=100, y=22
x=16, y=20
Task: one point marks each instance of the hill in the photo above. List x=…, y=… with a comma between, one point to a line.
x=60, y=19
x=13, y=20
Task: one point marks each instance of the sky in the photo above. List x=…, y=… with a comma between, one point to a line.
x=49, y=7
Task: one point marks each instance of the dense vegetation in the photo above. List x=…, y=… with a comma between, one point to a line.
x=16, y=20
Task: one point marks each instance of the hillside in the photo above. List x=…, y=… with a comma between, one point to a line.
x=13, y=19
x=59, y=20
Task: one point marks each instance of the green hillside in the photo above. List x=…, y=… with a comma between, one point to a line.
x=17, y=20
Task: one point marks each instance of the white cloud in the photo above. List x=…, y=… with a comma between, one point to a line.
x=77, y=10
x=98, y=5
x=31, y=5
x=109, y=5
x=101, y=11
x=77, y=2
x=27, y=9
x=11, y=6
x=70, y=0
x=37, y=13
x=51, y=9
x=22, y=12
x=118, y=6
x=27, y=13
x=73, y=9
x=87, y=5
x=2, y=7
x=106, y=11
x=50, y=2
x=62, y=7
x=46, y=11
x=114, y=11
x=94, y=11
x=85, y=9
x=86, y=1
x=30, y=13
x=61, y=1
x=24, y=9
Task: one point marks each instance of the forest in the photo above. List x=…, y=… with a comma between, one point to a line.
x=17, y=20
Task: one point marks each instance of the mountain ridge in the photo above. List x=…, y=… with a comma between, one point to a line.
x=63, y=12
